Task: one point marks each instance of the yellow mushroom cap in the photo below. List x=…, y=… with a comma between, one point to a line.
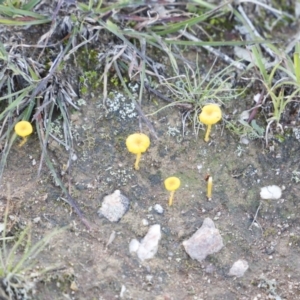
x=23, y=128
x=137, y=143
x=172, y=183
x=211, y=114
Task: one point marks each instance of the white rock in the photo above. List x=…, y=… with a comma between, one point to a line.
x=239, y=268
x=149, y=245
x=134, y=246
x=159, y=209
x=114, y=206
x=123, y=290
x=36, y=220
x=145, y=222
x=244, y=140
x=271, y=192
x=205, y=241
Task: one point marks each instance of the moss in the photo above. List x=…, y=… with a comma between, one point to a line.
x=270, y=232
x=87, y=60
x=295, y=240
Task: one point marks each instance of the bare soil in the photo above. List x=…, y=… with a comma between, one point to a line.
x=88, y=268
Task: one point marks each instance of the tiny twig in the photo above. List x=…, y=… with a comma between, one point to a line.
x=256, y=107
x=255, y=218
x=75, y=206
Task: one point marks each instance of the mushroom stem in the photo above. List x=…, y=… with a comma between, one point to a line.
x=171, y=198
x=209, y=187
x=138, y=158
x=23, y=141
x=206, y=139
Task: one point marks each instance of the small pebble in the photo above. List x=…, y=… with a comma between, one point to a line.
x=74, y=157
x=149, y=278
x=74, y=286
x=239, y=268
x=36, y=220
x=145, y=222
x=159, y=209
x=134, y=246
x=123, y=290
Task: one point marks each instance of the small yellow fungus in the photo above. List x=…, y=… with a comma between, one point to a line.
x=137, y=143
x=209, y=187
x=23, y=129
x=171, y=185
x=211, y=114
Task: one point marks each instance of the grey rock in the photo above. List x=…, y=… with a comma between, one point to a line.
x=149, y=244
x=114, y=206
x=239, y=268
x=205, y=241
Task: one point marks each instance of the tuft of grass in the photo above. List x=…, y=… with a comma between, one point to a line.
x=280, y=81
x=191, y=88
x=18, y=256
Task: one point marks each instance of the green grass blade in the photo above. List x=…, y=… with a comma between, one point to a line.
x=30, y=5
x=33, y=251
x=11, y=22
x=297, y=62
x=175, y=27
x=16, y=102
x=12, y=11
x=214, y=44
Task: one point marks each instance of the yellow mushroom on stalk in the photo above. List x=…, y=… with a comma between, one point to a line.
x=171, y=185
x=210, y=114
x=209, y=187
x=137, y=143
x=23, y=129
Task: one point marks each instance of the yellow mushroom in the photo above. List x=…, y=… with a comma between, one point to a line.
x=211, y=114
x=171, y=185
x=137, y=143
x=23, y=129
x=209, y=187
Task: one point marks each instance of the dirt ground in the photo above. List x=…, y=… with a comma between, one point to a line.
x=88, y=268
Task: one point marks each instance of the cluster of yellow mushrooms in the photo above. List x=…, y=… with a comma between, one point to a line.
x=138, y=143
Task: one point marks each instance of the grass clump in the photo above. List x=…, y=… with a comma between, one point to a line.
x=18, y=260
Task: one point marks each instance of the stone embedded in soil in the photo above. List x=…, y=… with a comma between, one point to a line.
x=239, y=268
x=271, y=192
x=134, y=246
x=159, y=209
x=147, y=248
x=114, y=206
x=205, y=241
